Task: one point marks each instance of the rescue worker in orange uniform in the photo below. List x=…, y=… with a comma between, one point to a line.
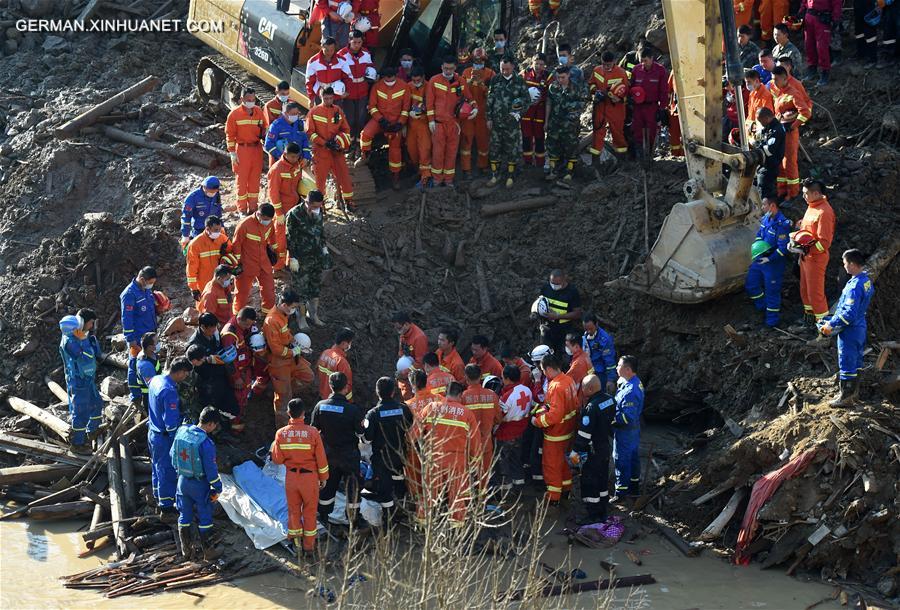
x=451, y=455
x=509, y=357
x=819, y=221
x=793, y=109
x=204, y=253
x=412, y=341
x=608, y=85
x=254, y=249
x=389, y=107
x=418, y=136
x=216, y=297
x=676, y=146
x=770, y=13
x=451, y=361
x=299, y=447
x=274, y=108
x=475, y=132
x=329, y=135
x=418, y=379
x=484, y=359
x=581, y=365
x=760, y=97
x=536, y=77
x=437, y=378
x=485, y=406
x=245, y=130
x=284, y=193
x=286, y=361
x=236, y=333
x=558, y=420
x=334, y=360
x=444, y=97
x=743, y=12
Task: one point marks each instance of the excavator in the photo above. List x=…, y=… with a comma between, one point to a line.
x=703, y=248
x=264, y=42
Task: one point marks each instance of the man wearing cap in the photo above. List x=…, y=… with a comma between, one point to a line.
x=389, y=106
x=768, y=252
x=80, y=353
x=286, y=129
x=202, y=203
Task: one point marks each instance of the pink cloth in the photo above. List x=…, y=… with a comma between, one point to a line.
x=609, y=531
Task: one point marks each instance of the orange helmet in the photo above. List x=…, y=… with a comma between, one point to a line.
x=465, y=110
x=638, y=95
x=803, y=239
x=163, y=303
x=620, y=90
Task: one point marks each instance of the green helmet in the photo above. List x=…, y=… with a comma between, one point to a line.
x=759, y=247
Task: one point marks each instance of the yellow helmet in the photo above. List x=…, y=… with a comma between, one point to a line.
x=306, y=185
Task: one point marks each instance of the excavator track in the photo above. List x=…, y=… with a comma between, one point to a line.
x=220, y=79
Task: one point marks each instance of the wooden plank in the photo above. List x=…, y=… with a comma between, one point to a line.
x=129, y=489
x=63, y=510
x=17, y=444
x=36, y=473
x=714, y=529
x=116, y=500
x=45, y=418
x=103, y=108
x=58, y=390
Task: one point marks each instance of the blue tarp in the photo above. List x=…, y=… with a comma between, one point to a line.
x=265, y=491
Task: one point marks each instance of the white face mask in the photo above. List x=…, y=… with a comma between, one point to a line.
x=226, y=283
x=317, y=212
x=563, y=60
x=499, y=44
x=265, y=222
x=214, y=234
x=292, y=118
x=478, y=66
x=555, y=286
x=249, y=105
x=448, y=75
x=507, y=76
x=406, y=64
x=149, y=285
x=209, y=193
x=569, y=350
x=284, y=98
x=390, y=83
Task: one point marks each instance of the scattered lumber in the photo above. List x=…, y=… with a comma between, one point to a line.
x=36, y=473
x=89, y=9
x=533, y=203
x=89, y=116
x=63, y=510
x=116, y=499
x=728, y=485
x=43, y=417
x=714, y=529
x=580, y=587
x=185, y=156
x=45, y=451
x=129, y=488
x=57, y=390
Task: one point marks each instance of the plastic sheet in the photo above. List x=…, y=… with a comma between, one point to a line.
x=263, y=530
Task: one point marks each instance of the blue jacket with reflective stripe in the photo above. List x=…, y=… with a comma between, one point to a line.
x=629, y=403
x=602, y=351
x=163, y=405
x=138, y=312
x=775, y=231
x=79, y=358
x=197, y=206
x=851, y=307
x=281, y=133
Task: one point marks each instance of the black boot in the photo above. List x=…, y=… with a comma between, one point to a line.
x=845, y=394
x=210, y=552
x=187, y=543
x=168, y=514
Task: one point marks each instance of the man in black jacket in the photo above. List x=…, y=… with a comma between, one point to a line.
x=212, y=376
x=387, y=428
x=591, y=448
x=341, y=423
x=771, y=143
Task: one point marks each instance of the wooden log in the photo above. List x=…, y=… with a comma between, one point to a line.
x=672, y=536
x=36, y=473
x=99, y=455
x=581, y=587
x=95, y=533
x=718, y=491
x=45, y=418
x=58, y=390
x=714, y=529
x=533, y=203
x=116, y=502
x=137, y=140
x=89, y=9
x=484, y=295
x=129, y=489
x=63, y=510
x=880, y=260
x=16, y=444
x=103, y=108
x=95, y=521
x=94, y=497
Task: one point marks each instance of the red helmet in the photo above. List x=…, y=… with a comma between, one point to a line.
x=163, y=303
x=465, y=110
x=734, y=137
x=803, y=239
x=620, y=90
x=638, y=95
x=792, y=22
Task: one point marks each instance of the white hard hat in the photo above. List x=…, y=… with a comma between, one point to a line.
x=345, y=11
x=405, y=363
x=303, y=341
x=363, y=24
x=540, y=306
x=371, y=73
x=539, y=352
x=257, y=341
x=535, y=94
x=338, y=87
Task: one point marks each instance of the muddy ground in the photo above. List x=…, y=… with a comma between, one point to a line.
x=402, y=254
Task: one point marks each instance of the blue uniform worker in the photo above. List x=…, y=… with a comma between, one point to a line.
x=147, y=369
x=201, y=203
x=849, y=322
x=138, y=317
x=603, y=354
x=193, y=455
x=766, y=272
x=80, y=353
x=164, y=419
x=282, y=132
x=627, y=435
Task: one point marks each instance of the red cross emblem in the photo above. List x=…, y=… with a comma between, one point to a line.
x=183, y=455
x=523, y=401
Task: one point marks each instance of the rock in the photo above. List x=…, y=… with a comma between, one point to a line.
x=10, y=47
x=29, y=43
x=13, y=34
x=171, y=89
x=175, y=326
x=38, y=8
x=26, y=348
x=118, y=44
x=55, y=45
x=191, y=316
x=657, y=37
x=112, y=387
x=887, y=586
x=118, y=343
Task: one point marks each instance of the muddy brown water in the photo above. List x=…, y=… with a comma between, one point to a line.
x=34, y=556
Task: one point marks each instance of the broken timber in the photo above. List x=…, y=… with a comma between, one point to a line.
x=45, y=418
x=90, y=116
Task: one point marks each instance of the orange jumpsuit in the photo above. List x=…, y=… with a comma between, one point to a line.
x=580, y=367
x=452, y=450
x=476, y=131
x=284, y=367
x=299, y=447
x=771, y=12
x=203, y=256
x=249, y=247
x=819, y=221
x=488, y=365
x=609, y=113
x=791, y=98
x=441, y=99
x=485, y=406
x=438, y=381
x=322, y=124
x=760, y=97
x=216, y=300
x=284, y=193
x=418, y=137
x=389, y=102
x=272, y=110
x=452, y=363
x=245, y=131
x=413, y=470
x=675, y=143
x=743, y=11
x=334, y=360
x=413, y=343
x=559, y=423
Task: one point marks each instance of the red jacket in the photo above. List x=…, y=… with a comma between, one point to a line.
x=284, y=178
x=485, y=406
x=452, y=363
x=334, y=360
x=488, y=365
x=413, y=343
x=299, y=445
x=390, y=102
x=654, y=82
x=438, y=381
x=232, y=334
x=821, y=6
x=321, y=72
x=354, y=65
x=558, y=419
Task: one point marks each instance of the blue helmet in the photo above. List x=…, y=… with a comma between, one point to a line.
x=211, y=182
x=228, y=354
x=69, y=324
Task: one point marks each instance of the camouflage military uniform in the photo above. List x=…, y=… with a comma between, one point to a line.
x=495, y=56
x=566, y=105
x=506, y=98
x=189, y=398
x=306, y=243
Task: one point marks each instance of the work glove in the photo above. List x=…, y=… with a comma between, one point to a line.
x=536, y=374
x=195, y=294
x=824, y=328
x=184, y=242
x=739, y=8
x=213, y=497
x=294, y=265
x=271, y=255
x=237, y=270
x=762, y=260
x=662, y=115
x=516, y=116
x=474, y=113
x=296, y=351
x=214, y=359
x=599, y=96
x=234, y=158
x=431, y=126
x=325, y=250
x=384, y=123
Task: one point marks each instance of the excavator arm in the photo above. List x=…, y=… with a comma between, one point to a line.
x=702, y=250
